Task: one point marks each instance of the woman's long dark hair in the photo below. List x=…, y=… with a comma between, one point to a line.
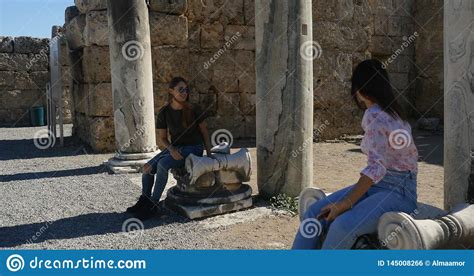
x=188, y=115
x=372, y=81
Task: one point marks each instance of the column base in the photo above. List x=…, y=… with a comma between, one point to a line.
x=129, y=162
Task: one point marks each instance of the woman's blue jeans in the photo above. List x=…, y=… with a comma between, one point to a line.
x=161, y=164
x=396, y=192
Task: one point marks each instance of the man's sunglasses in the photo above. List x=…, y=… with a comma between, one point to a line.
x=184, y=90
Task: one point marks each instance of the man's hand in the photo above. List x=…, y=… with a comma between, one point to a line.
x=175, y=154
x=331, y=211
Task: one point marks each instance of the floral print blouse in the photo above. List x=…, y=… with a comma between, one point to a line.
x=388, y=144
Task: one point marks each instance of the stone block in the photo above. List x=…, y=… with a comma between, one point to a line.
x=346, y=37
x=247, y=82
x=212, y=36
x=96, y=29
x=331, y=94
x=22, y=99
x=64, y=55
x=194, y=36
x=240, y=37
x=247, y=103
x=160, y=95
x=225, y=81
x=85, y=6
x=201, y=85
x=80, y=96
x=324, y=66
x=70, y=13
x=250, y=127
x=381, y=7
x=40, y=79
x=208, y=102
x=399, y=82
x=6, y=44
x=380, y=46
x=169, y=30
x=244, y=61
x=169, y=62
x=99, y=99
x=13, y=62
x=23, y=81
x=169, y=7
x=362, y=13
x=200, y=64
x=404, y=7
x=381, y=25
x=28, y=45
x=343, y=68
x=249, y=12
x=37, y=62
x=340, y=10
x=226, y=12
x=222, y=59
x=233, y=12
x=96, y=64
x=74, y=31
x=228, y=104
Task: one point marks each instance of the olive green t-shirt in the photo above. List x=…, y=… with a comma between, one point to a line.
x=171, y=119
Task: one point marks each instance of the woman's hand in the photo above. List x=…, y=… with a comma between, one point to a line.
x=147, y=168
x=331, y=211
x=175, y=154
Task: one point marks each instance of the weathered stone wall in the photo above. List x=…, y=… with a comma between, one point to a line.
x=24, y=73
x=348, y=32
x=212, y=44
x=429, y=58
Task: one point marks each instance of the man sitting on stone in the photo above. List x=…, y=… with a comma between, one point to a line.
x=189, y=134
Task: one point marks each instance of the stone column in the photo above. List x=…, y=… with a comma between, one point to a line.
x=458, y=99
x=132, y=85
x=284, y=68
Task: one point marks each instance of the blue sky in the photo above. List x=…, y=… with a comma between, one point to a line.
x=31, y=17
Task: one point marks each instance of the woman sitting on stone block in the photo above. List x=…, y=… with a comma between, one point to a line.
x=387, y=184
x=185, y=123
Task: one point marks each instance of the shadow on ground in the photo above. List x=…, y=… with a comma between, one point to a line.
x=26, y=149
x=78, y=226
x=53, y=174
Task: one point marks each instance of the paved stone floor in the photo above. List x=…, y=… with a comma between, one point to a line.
x=64, y=198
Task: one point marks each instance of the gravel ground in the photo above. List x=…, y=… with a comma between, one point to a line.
x=63, y=198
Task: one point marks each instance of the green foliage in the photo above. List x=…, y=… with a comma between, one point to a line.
x=286, y=203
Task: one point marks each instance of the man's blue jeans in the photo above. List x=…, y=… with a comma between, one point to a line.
x=161, y=164
x=396, y=192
